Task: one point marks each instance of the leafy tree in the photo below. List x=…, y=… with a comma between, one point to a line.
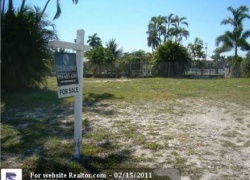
x=139, y=56
x=98, y=56
x=94, y=40
x=25, y=51
x=172, y=60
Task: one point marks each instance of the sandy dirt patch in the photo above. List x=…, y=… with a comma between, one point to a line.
x=204, y=139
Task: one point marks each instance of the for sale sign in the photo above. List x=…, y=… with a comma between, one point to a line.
x=66, y=72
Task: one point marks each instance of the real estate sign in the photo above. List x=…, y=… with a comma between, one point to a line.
x=66, y=72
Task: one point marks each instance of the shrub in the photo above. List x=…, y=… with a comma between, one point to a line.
x=25, y=49
x=172, y=60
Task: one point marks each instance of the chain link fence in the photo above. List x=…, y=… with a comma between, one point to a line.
x=162, y=69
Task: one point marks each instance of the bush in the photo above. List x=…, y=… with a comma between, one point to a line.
x=25, y=49
x=172, y=60
x=99, y=57
x=245, y=67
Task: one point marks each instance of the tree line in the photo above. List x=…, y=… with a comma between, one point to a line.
x=26, y=31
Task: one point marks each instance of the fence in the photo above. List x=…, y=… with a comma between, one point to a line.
x=163, y=69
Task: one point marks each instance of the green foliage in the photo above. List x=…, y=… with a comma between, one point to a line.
x=245, y=67
x=99, y=56
x=163, y=28
x=112, y=46
x=195, y=49
x=139, y=56
x=94, y=40
x=237, y=37
x=172, y=52
x=25, y=52
x=172, y=60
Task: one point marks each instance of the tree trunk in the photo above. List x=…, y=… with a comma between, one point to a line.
x=236, y=51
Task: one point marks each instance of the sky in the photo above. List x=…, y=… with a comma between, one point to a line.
x=127, y=20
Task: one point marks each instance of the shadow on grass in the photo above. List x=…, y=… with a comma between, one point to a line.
x=45, y=147
x=43, y=141
x=92, y=103
x=31, y=99
x=92, y=98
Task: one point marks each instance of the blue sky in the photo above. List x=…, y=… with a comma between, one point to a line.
x=127, y=20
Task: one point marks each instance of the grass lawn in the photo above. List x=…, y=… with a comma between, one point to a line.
x=129, y=123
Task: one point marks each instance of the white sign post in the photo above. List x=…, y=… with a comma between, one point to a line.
x=80, y=48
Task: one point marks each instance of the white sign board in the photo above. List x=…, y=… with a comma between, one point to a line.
x=66, y=73
x=67, y=91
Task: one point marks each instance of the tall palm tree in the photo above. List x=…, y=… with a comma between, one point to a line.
x=158, y=25
x=153, y=40
x=237, y=38
x=156, y=29
x=169, y=22
x=179, y=31
x=239, y=15
x=94, y=40
x=234, y=40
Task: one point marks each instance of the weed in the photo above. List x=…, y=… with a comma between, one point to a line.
x=153, y=146
x=228, y=144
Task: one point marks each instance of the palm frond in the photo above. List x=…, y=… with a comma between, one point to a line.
x=58, y=10
x=245, y=35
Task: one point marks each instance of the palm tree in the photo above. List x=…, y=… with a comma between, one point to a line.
x=179, y=31
x=116, y=52
x=239, y=15
x=236, y=38
x=156, y=29
x=195, y=49
x=58, y=8
x=169, y=21
x=113, y=47
x=94, y=40
x=153, y=40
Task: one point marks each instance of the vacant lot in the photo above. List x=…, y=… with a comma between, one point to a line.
x=200, y=127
